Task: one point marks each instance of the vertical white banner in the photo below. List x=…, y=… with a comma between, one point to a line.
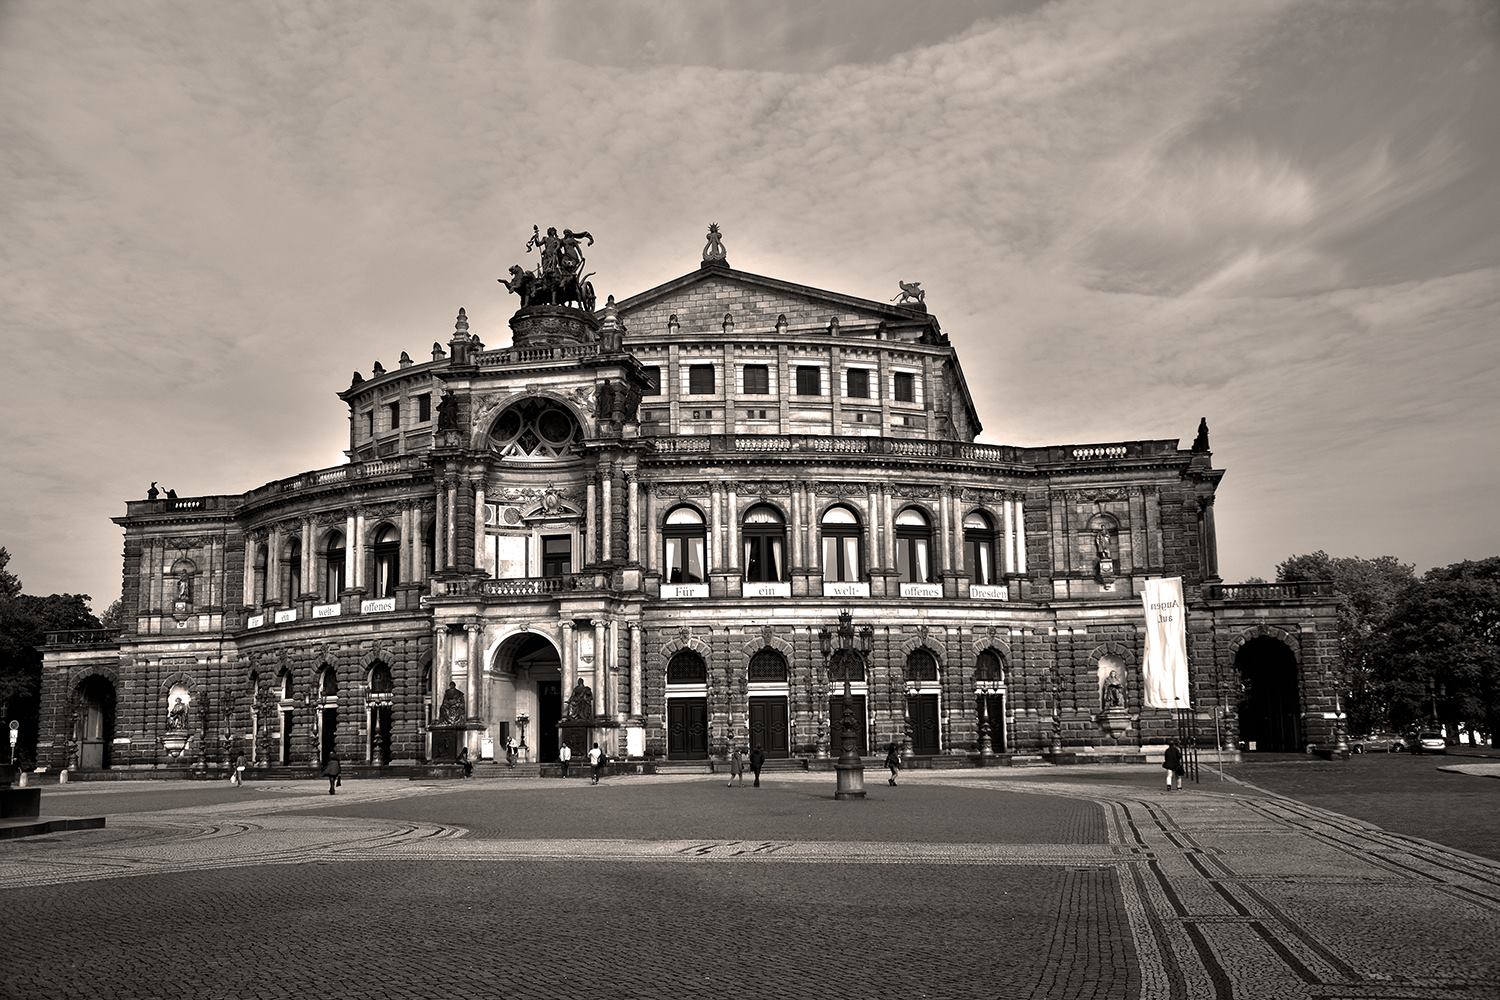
x=1165, y=676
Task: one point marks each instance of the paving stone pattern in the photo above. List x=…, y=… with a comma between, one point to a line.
x=1116, y=891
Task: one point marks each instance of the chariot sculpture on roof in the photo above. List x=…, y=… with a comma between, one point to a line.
x=559, y=278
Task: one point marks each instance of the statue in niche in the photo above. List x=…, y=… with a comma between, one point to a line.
x=1104, y=540
x=177, y=715
x=1114, y=691
x=911, y=292
x=451, y=712
x=184, y=592
x=1200, y=443
x=580, y=702
x=447, y=412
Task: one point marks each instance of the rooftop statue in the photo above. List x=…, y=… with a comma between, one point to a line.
x=1200, y=443
x=559, y=278
x=911, y=291
x=714, y=253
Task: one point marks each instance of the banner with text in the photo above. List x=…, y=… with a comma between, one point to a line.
x=1165, y=677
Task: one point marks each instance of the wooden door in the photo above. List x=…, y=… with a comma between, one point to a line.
x=687, y=728
x=924, y=725
x=994, y=706
x=768, y=726
x=544, y=737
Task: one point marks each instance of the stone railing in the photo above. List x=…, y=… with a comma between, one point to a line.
x=84, y=637
x=1300, y=590
x=339, y=474
x=700, y=444
x=531, y=586
x=532, y=355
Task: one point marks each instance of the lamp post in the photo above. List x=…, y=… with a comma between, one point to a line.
x=911, y=689
x=1340, y=743
x=982, y=691
x=522, y=720
x=843, y=645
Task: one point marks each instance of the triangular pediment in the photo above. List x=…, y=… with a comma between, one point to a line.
x=701, y=299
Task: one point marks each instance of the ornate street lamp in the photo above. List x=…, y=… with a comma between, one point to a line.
x=911, y=690
x=521, y=721
x=983, y=689
x=846, y=646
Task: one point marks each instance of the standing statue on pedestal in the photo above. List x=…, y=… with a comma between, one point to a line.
x=580, y=702
x=559, y=278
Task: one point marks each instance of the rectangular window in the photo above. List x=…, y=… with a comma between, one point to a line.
x=505, y=556
x=653, y=380
x=684, y=559
x=906, y=387
x=394, y=409
x=979, y=560
x=557, y=555
x=857, y=383
x=840, y=558
x=424, y=407
x=757, y=380
x=809, y=380
x=700, y=380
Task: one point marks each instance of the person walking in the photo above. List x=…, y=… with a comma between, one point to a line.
x=331, y=772
x=736, y=766
x=512, y=751
x=757, y=761
x=596, y=757
x=1172, y=761
x=565, y=757
x=893, y=761
x=238, y=777
x=463, y=758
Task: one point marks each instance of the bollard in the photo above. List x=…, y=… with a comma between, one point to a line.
x=24, y=780
x=62, y=776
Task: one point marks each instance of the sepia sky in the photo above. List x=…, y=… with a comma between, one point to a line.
x=1281, y=216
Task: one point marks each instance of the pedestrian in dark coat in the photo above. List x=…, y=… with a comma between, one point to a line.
x=893, y=761
x=331, y=772
x=757, y=761
x=463, y=758
x=1172, y=761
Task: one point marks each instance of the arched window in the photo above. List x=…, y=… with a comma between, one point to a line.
x=687, y=667
x=258, y=584
x=387, y=568
x=379, y=678
x=333, y=571
x=768, y=667
x=989, y=667
x=914, y=546
x=841, y=537
x=291, y=571
x=765, y=544
x=686, y=547
x=921, y=665
x=284, y=684
x=328, y=682
x=979, y=548
x=536, y=429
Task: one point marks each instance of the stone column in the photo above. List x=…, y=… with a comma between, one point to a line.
x=362, y=549
x=633, y=512
x=408, y=571
x=309, y=556
x=614, y=669
x=590, y=529
x=606, y=513
x=471, y=683
x=795, y=517
x=651, y=549
x=1210, y=538
x=273, y=567
x=1008, y=534
x=247, y=595
x=351, y=547
x=733, y=531
x=876, y=530
x=1021, y=535
x=479, y=525
x=635, y=669
x=956, y=528
x=810, y=557
x=439, y=528
x=943, y=557
x=569, y=658
x=442, y=664
x=887, y=530
x=715, y=528
x=601, y=666
x=450, y=526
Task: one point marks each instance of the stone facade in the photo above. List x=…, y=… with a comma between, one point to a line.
x=669, y=501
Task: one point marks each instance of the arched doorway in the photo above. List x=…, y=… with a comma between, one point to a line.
x=96, y=722
x=1270, y=705
x=525, y=679
x=328, y=714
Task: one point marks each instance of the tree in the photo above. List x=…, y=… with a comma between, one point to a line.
x=1366, y=590
x=114, y=615
x=1439, y=656
x=25, y=620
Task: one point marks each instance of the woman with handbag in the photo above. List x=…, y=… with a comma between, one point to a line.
x=331, y=772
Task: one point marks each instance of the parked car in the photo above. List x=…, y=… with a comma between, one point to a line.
x=1426, y=742
x=1376, y=743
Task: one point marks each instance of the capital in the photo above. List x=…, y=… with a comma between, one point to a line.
x=566, y=626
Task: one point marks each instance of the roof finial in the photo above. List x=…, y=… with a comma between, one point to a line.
x=713, y=253
x=461, y=325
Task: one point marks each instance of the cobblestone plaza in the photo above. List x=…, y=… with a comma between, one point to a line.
x=1088, y=882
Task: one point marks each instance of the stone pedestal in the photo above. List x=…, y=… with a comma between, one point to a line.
x=446, y=741
x=575, y=734
x=1115, y=722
